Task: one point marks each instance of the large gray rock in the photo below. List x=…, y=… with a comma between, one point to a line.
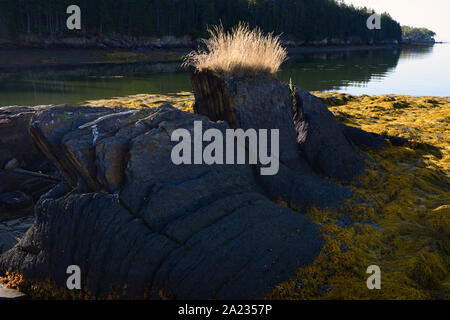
x=322, y=141
x=51, y=125
x=311, y=141
x=140, y=226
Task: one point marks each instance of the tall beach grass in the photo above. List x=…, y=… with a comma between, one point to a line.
x=243, y=51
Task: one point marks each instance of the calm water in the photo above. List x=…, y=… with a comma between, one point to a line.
x=411, y=71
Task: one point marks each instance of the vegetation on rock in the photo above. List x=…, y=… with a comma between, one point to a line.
x=180, y=100
x=242, y=51
x=399, y=217
x=417, y=34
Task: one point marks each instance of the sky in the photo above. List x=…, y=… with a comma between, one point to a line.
x=431, y=14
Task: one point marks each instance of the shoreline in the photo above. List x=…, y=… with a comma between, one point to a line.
x=29, y=57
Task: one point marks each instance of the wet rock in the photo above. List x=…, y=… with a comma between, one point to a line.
x=138, y=225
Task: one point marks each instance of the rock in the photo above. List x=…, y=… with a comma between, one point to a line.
x=311, y=141
x=250, y=103
x=7, y=241
x=19, y=190
x=17, y=227
x=322, y=141
x=26, y=168
x=11, y=294
x=50, y=126
x=140, y=226
x=362, y=138
x=15, y=141
x=15, y=204
x=370, y=140
x=12, y=164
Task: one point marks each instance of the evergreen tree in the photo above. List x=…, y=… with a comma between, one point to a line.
x=298, y=19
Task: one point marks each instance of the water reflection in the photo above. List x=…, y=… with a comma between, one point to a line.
x=407, y=71
x=332, y=71
x=416, y=52
x=75, y=85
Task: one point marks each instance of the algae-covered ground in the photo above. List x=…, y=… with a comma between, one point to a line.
x=399, y=217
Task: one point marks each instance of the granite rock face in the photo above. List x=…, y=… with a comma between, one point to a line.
x=313, y=144
x=140, y=226
x=322, y=140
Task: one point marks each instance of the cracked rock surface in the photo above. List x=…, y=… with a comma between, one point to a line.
x=138, y=225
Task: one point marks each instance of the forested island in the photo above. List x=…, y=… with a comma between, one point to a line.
x=300, y=21
x=411, y=34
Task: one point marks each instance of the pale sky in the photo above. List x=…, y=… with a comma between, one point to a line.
x=431, y=14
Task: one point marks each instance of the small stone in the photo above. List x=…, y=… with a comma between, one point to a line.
x=24, y=226
x=11, y=294
x=12, y=164
x=11, y=223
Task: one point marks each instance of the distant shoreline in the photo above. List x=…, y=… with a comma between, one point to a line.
x=29, y=57
x=121, y=42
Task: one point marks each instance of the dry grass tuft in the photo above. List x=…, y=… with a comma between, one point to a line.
x=243, y=51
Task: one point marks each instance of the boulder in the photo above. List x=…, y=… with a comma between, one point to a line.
x=51, y=125
x=12, y=164
x=311, y=141
x=7, y=294
x=322, y=140
x=140, y=226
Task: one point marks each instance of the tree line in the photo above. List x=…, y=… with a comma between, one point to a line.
x=417, y=34
x=297, y=19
